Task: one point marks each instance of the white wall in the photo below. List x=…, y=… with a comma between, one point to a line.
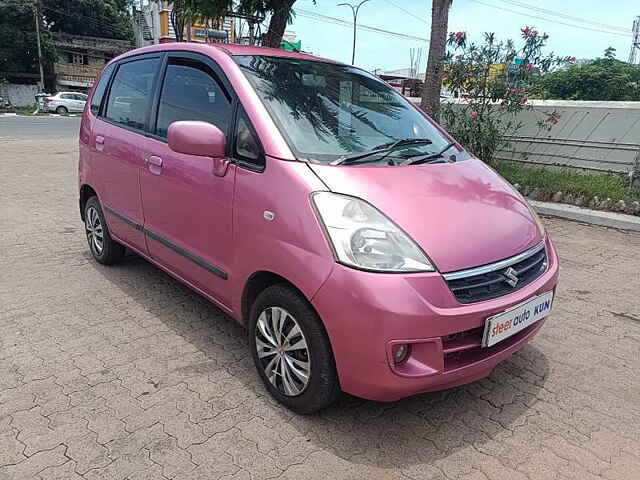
x=591, y=135
x=19, y=95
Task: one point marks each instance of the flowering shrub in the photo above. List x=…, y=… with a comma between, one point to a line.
x=493, y=81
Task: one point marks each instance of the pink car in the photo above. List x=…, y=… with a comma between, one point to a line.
x=362, y=247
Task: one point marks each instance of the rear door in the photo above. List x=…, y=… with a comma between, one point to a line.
x=188, y=209
x=68, y=101
x=117, y=138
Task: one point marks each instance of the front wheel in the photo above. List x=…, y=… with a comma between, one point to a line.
x=291, y=350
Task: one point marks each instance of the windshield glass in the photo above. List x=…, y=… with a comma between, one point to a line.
x=328, y=111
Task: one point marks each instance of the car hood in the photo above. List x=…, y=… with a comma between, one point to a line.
x=462, y=214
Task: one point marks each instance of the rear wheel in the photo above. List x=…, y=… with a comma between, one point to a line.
x=62, y=110
x=103, y=248
x=291, y=350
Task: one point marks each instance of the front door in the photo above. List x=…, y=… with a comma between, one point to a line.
x=188, y=209
x=118, y=158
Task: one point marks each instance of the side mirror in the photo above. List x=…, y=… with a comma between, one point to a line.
x=197, y=138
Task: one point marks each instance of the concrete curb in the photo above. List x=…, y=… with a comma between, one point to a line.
x=595, y=217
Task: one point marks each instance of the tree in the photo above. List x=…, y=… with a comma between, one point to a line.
x=494, y=79
x=437, y=47
x=96, y=18
x=19, y=52
x=600, y=79
x=610, y=53
x=281, y=14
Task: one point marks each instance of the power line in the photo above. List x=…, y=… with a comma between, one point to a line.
x=339, y=21
x=564, y=15
x=552, y=21
x=417, y=17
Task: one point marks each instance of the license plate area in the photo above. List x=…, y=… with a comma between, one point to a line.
x=503, y=325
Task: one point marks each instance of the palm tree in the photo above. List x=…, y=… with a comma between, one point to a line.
x=437, y=47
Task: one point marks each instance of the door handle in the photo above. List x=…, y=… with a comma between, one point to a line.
x=154, y=160
x=99, y=143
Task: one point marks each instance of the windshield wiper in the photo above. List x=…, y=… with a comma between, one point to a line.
x=385, y=148
x=429, y=158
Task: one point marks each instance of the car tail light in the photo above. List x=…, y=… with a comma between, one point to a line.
x=48, y=100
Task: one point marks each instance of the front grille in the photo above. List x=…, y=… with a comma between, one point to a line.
x=492, y=281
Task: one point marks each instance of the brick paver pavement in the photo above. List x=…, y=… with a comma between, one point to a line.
x=121, y=372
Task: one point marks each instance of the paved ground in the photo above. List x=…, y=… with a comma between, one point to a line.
x=121, y=372
x=22, y=127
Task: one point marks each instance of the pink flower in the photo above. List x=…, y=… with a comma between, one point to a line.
x=459, y=57
x=460, y=35
x=474, y=115
x=525, y=31
x=524, y=100
x=534, y=33
x=530, y=67
x=572, y=59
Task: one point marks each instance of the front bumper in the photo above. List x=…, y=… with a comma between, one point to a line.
x=365, y=313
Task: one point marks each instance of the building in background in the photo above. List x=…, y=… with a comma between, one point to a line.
x=153, y=25
x=80, y=59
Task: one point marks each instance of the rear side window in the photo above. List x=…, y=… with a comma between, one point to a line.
x=98, y=93
x=191, y=91
x=130, y=94
x=67, y=96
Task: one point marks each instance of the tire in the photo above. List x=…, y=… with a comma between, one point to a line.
x=291, y=308
x=104, y=249
x=62, y=110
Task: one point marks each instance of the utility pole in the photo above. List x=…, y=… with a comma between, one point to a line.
x=37, y=20
x=354, y=10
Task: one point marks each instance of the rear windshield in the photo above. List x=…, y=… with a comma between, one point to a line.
x=328, y=111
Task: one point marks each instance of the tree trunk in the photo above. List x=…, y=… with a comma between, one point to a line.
x=437, y=47
x=278, y=24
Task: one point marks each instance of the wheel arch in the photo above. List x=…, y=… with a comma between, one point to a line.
x=86, y=192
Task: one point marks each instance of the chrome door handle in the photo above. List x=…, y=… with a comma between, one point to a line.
x=154, y=160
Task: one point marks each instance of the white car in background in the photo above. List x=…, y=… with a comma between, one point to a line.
x=65, y=102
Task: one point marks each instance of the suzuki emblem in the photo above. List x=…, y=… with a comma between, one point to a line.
x=510, y=277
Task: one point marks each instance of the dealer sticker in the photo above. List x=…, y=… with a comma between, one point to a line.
x=503, y=325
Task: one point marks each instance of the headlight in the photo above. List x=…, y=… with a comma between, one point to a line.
x=362, y=237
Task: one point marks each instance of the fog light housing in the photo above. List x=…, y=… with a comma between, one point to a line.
x=401, y=353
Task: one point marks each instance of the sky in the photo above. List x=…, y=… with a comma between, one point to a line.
x=413, y=17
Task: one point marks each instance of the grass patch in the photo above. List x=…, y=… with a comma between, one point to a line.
x=567, y=180
x=22, y=110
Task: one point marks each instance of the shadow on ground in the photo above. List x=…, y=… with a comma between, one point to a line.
x=416, y=430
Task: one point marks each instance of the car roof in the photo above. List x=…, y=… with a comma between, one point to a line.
x=231, y=49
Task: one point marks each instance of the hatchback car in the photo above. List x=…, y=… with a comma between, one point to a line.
x=65, y=102
x=364, y=249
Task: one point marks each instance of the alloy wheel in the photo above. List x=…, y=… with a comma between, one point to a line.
x=95, y=233
x=282, y=351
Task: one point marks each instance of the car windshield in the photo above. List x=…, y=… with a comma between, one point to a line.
x=330, y=111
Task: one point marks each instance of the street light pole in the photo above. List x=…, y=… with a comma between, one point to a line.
x=354, y=10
